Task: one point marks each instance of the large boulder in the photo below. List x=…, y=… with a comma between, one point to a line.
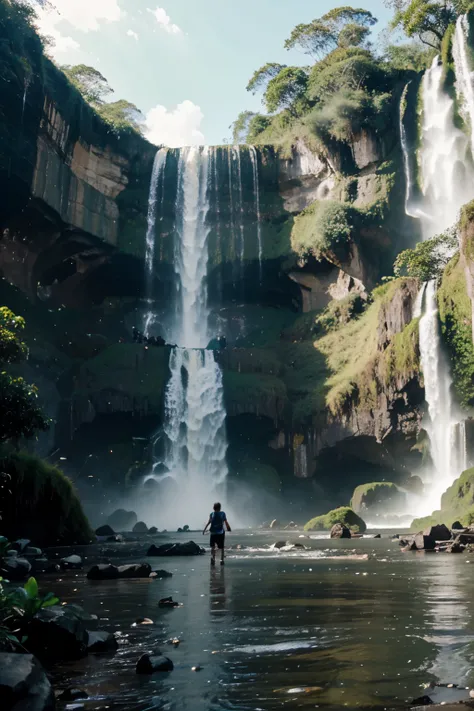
x=153, y=662
x=23, y=684
x=378, y=498
x=101, y=642
x=57, y=633
x=424, y=542
x=134, y=570
x=15, y=569
x=140, y=527
x=122, y=520
x=340, y=531
x=105, y=530
x=103, y=571
x=343, y=515
x=169, y=549
x=440, y=532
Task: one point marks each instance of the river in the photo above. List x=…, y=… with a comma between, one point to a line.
x=272, y=630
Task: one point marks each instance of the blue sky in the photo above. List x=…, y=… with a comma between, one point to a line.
x=184, y=63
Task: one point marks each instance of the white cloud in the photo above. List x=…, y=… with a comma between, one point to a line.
x=84, y=15
x=164, y=20
x=178, y=127
x=133, y=34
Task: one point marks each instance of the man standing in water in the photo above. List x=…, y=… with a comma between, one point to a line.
x=217, y=521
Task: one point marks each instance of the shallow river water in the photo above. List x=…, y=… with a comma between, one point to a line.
x=273, y=630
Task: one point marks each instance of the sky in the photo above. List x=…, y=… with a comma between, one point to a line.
x=184, y=63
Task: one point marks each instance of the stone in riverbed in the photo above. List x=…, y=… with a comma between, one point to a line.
x=424, y=542
x=455, y=546
x=440, y=532
x=153, y=530
x=168, y=602
x=340, y=531
x=105, y=530
x=57, y=633
x=134, y=570
x=23, y=684
x=140, y=527
x=71, y=562
x=101, y=642
x=169, y=549
x=103, y=571
x=153, y=662
x=73, y=695
x=160, y=574
x=280, y=544
x=15, y=569
x=122, y=520
x=422, y=701
x=32, y=552
x=457, y=526
x=21, y=544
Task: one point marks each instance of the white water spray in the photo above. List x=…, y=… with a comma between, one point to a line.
x=157, y=174
x=256, y=192
x=240, y=208
x=464, y=85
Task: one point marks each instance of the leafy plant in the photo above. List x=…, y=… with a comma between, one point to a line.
x=18, y=607
x=429, y=258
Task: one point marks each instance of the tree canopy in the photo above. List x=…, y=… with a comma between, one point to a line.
x=89, y=81
x=263, y=75
x=429, y=258
x=285, y=89
x=427, y=20
x=21, y=416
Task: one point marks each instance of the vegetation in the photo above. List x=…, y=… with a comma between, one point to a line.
x=18, y=607
x=428, y=259
x=457, y=504
x=325, y=227
x=344, y=515
x=427, y=20
x=377, y=496
x=21, y=415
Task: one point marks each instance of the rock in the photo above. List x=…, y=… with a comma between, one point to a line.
x=275, y=523
x=12, y=554
x=101, y=642
x=422, y=701
x=439, y=532
x=103, y=571
x=122, y=520
x=161, y=574
x=186, y=528
x=72, y=562
x=140, y=527
x=395, y=537
x=457, y=526
x=153, y=530
x=23, y=684
x=57, y=633
x=197, y=668
x=134, y=570
x=32, y=552
x=377, y=535
x=280, y=544
x=105, y=531
x=169, y=549
x=455, y=546
x=73, y=695
x=340, y=531
x=153, y=662
x=424, y=542
x=15, y=569
x=142, y=621
x=21, y=544
x=168, y=602
x=116, y=538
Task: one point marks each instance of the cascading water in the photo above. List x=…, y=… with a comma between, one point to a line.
x=240, y=208
x=157, y=174
x=194, y=463
x=464, y=85
x=409, y=209
x=445, y=160
x=256, y=192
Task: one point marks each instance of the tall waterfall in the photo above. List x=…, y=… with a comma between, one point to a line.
x=447, y=437
x=445, y=160
x=194, y=463
x=410, y=210
x=256, y=192
x=464, y=86
x=157, y=174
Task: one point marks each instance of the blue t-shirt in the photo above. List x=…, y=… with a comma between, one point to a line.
x=217, y=521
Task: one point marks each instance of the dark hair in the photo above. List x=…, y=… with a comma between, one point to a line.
x=217, y=506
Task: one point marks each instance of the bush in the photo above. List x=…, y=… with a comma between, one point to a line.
x=343, y=514
x=42, y=504
x=324, y=227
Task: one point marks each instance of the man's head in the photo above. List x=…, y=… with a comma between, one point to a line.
x=217, y=506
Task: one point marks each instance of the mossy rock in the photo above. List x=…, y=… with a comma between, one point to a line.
x=43, y=505
x=344, y=515
x=457, y=504
x=378, y=497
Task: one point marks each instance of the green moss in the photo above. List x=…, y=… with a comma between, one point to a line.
x=457, y=504
x=344, y=515
x=402, y=357
x=455, y=311
x=325, y=227
x=377, y=495
x=43, y=504
x=255, y=393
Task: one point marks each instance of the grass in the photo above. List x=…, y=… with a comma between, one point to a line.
x=344, y=515
x=457, y=504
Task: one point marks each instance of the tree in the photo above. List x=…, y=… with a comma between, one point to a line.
x=240, y=127
x=353, y=35
x=122, y=115
x=314, y=38
x=263, y=75
x=426, y=19
x=429, y=258
x=339, y=17
x=257, y=125
x=89, y=81
x=412, y=56
x=285, y=89
x=21, y=416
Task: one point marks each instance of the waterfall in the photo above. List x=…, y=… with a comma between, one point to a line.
x=256, y=192
x=194, y=462
x=464, y=87
x=240, y=209
x=445, y=161
x=447, y=441
x=418, y=306
x=159, y=166
x=406, y=159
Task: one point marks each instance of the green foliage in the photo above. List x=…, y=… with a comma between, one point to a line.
x=18, y=607
x=323, y=227
x=314, y=38
x=257, y=125
x=285, y=89
x=377, y=495
x=349, y=70
x=263, y=75
x=41, y=503
x=409, y=57
x=353, y=35
x=339, y=17
x=428, y=259
x=121, y=116
x=240, y=127
x=426, y=19
x=338, y=313
x=455, y=311
x=457, y=504
x=21, y=416
x=344, y=515
x=89, y=82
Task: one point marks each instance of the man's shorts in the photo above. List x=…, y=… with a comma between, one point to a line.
x=217, y=539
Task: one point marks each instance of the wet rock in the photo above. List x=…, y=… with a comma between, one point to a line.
x=122, y=520
x=168, y=602
x=21, y=544
x=153, y=530
x=340, y=531
x=101, y=642
x=105, y=531
x=57, y=633
x=457, y=526
x=140, y=527
x=15, y=569
x=153, y=662
x=32, y=552
x=170, y=549
x=275, y=523
x=71, y=562
x=103, y=571
x=377, y=535
x=395, y=537
x=134, y=570
x=408, y=545
x=142, y=621
x=439, y=532
x=73, y=695
x=23, y=684
x=12, y=553
x=40, y=565
x=455, y=546
x=161, y=574
x=424, y=542
x=197, y=668
x=422, y=701
x=280, y=544
x=116, y=538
